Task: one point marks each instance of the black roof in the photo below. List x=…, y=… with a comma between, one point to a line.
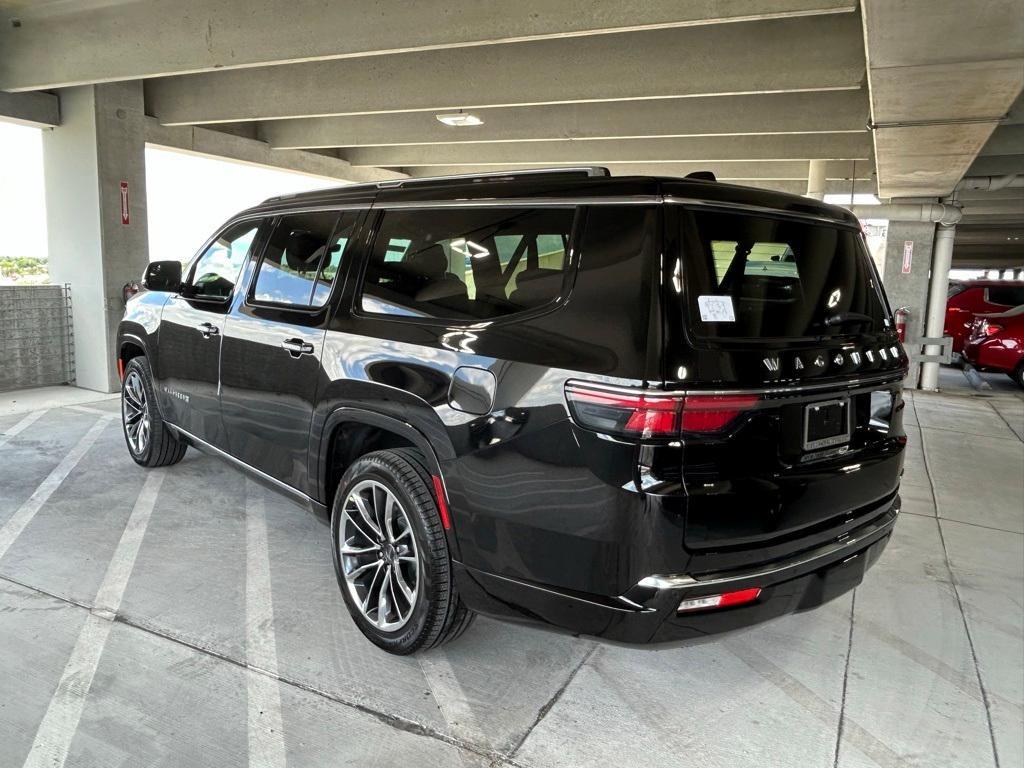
x=575, y=183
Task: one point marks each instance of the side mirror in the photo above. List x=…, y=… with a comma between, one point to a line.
x=162, y=276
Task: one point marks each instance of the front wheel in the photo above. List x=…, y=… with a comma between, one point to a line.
x=391, y=556
x=1018, y=375
x=150, y=442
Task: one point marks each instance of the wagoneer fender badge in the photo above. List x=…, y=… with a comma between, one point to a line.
x=819, y=361
x=772, y=364
x=838, y=359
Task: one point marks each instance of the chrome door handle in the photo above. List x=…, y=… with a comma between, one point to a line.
x=208, y=330
x=297, y=347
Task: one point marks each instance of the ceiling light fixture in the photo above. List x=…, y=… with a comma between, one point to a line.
x=459, y=119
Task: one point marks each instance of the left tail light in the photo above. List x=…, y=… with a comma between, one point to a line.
x=653, y=414
x=990, y=329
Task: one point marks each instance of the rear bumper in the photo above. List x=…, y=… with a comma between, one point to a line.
x=647, y=612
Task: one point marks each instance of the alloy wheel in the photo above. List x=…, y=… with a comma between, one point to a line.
x=379, y=556
x=135, y=412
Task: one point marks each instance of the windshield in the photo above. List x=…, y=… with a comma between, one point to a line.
x=755, y=277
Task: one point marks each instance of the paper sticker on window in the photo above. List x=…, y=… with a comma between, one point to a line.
x=716, y=309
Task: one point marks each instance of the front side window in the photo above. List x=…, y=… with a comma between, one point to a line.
x=467, y=264
x=216, y=271
x=302, y=258
x=750, y=277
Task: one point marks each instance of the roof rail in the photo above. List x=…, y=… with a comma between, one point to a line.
x=584, y=170
x=571, y=172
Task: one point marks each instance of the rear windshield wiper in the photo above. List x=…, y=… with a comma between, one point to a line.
x=839, y=318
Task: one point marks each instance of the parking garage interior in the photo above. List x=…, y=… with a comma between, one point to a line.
x=189, y=617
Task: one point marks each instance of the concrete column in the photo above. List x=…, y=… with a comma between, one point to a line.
x=937, y=293
x=97, y=150
x=909, y=289
x=816, y=179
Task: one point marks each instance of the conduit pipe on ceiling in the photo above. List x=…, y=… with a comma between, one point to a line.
x=990, y=183
x=933, y=213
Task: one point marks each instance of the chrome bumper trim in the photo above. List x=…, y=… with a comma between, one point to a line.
x=834, y=550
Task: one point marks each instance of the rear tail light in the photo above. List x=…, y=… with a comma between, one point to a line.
x=990, y=329
x=725, y=600
x=653, y=414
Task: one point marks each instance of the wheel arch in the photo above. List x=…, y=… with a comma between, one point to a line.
x=350, y=432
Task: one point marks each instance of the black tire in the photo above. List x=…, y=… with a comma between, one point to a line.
x=438, y=614
x=162, y=448
x=1018, y=375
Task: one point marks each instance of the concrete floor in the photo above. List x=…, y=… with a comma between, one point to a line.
x=230, y=644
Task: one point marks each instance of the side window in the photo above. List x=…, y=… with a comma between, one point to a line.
x=302, y=258
x=1008, y=295
x=216, y=272
x=466, y=264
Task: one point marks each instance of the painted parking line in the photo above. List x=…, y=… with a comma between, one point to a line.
x=21, y=426
x=17, y=522
x=266, y=736
x=58, y=726
x=87, y=409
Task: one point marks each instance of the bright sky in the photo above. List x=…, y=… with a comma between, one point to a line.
x=22, y=202
x=189, y=196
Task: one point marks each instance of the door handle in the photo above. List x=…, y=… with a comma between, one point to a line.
x=297, y=347
x=208, y=330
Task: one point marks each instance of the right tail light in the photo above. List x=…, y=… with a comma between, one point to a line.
x=650, y=414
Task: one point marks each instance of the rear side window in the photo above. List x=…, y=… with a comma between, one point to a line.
x=750, y=277
x=1008, y=295
x=467, y=264
x=302, y=258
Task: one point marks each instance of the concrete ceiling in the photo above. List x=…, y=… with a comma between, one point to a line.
x=750, y=89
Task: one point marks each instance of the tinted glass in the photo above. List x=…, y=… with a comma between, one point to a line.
x=760, y=277
x=1008, y=295
x=289, y=269
x=467, y=264
x=216, y=272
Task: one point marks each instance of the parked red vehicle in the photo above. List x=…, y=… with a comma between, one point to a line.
x=970, y=298
x=996, y=343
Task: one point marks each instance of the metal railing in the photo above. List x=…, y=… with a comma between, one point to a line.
x=37, y=344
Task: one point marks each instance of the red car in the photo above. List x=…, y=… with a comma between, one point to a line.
x=996, y=343
x=970, y=298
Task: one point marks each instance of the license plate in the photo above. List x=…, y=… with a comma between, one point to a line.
x=826, y=423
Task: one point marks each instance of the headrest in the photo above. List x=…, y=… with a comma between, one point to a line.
x=430, y=261
x=303, y=247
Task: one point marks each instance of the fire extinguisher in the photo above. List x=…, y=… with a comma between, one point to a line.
x=901, y=323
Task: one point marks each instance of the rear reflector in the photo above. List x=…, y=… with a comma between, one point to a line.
x=442, y=503
x=740, y=597
x=653, y=414
x=120, y=369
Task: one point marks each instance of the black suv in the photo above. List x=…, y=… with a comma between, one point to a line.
x=642, y=409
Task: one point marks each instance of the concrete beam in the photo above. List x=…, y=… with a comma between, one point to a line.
x=789, y=170
x=708, y=149
x=39, y=110
x=149, y=38
x=941, y=75
x=797, y=113
x=206, y=141
x=812, y=53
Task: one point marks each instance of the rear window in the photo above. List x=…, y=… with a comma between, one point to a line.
x=467, y=264
x=750, y=277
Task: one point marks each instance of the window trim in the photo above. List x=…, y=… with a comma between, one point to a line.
x=572, y=259
x=250, y=299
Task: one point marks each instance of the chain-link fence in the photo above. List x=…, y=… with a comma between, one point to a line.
x=37, y=345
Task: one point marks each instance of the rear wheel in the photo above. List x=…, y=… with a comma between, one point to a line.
x=391, y=556
x=150, y=442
